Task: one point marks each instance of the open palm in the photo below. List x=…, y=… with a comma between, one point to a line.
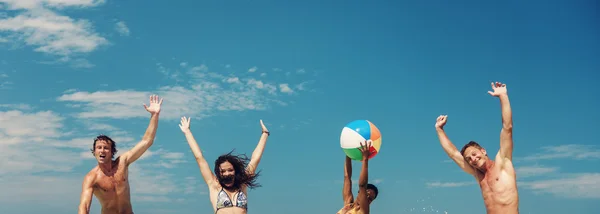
x=185, y=124
x=155, y=103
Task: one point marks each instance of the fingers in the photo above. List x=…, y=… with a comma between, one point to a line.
x=185, y=121
x=498, y=84
x=154, y=99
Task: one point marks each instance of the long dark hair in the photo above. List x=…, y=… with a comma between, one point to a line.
x=239, y=162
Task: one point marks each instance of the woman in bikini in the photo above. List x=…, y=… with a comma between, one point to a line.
x=233, y=174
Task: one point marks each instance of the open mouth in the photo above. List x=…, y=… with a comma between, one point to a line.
x=102, y=156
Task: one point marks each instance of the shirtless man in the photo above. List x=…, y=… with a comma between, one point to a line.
x=496, y=178
x=233, y=174
x=109, y=181
x=366, y=192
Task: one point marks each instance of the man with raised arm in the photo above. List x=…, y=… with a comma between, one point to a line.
x=109, y=180
x=496, y=178
x=367, y=192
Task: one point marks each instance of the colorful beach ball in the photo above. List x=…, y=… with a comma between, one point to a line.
x=360, y=131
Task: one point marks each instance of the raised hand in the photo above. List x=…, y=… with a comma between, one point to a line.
x=264, y=128
x=155, y=103
x=365, y=149
x=441, y=121
x=185, y=124
x=499, y=89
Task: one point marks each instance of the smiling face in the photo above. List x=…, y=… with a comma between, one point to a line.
x=476, y=157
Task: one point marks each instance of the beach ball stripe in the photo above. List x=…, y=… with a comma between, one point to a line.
x=356, y=132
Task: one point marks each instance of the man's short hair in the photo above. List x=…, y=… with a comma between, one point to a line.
x=102, y=137
x=471, y=143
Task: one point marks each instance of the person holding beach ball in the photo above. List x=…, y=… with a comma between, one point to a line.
x=366, y=135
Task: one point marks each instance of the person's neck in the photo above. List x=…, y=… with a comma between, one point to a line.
x=106, y=167
x=231, y=189
x=488, y=165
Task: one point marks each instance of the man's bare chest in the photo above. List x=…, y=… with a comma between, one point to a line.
x=497, y=182
x=113, y=182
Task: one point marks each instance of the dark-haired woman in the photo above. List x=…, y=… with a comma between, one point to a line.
x=233, y=174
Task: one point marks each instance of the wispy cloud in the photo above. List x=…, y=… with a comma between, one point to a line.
x=584, y=185
x=27, y=143
x=205, y=93
x=530, y=171
x=37, y=23
x=20, y=106
x=122, y=28
x=285, y=88
x=37, y=145
x=355, y=181
x=253, y=69
x=448, y=184
x=570, y=151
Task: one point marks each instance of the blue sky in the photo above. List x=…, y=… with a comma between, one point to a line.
x=71, y=70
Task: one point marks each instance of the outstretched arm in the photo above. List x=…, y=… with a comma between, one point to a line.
x=87, y=190
x=347, y=189
x=208, y=176
x=449, y=148
x=138, y=150
x=258, y=151
x=506, y=139
x=363, y=180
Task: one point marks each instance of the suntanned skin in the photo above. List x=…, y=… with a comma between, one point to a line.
x=365, y=196
x=226, y=168
x=497, y=178
x=109, y=181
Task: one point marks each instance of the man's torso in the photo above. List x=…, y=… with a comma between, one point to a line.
x=351, y=208
x=112, y=189
x=499, y=189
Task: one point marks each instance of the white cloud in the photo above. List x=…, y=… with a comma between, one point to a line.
x=37, y=143
x=529, y=171
x=27, y=143
x=585, y=185
x=34, y=188
x=20, y=106
x=205, y=94
x=253, y=69
x=571, y=151
x=37, y=25
x=285, y=88
x=232, y=80
x=355, y=181
x=122, y=28
x=448, y=184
